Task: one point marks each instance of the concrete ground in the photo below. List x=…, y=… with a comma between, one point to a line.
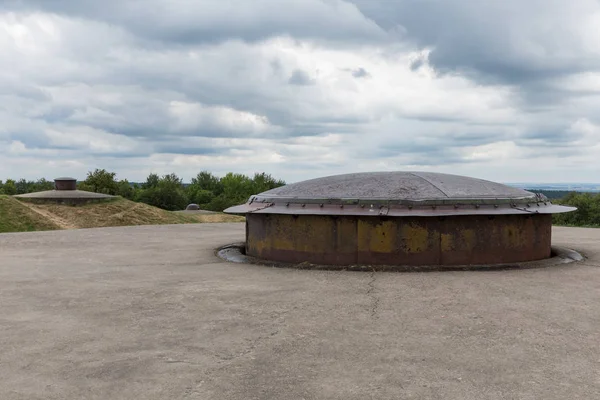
x=152, y=313
x=192, y=212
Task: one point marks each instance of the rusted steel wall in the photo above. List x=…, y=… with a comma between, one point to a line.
x=345, y=240
x=61, y=184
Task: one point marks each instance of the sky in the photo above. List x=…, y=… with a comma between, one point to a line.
x=501, y=90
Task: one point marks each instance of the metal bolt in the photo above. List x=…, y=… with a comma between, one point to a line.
x=476, y=205
x=287, y=204
x=362, y=206
x=303, y=205
x=341, y=206
x=495, y=205
x=321, y=205
x=456, y=206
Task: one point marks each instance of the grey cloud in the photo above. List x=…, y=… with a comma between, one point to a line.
x=180, y=148
x=415, y=65
x=360, y=73
x=300, y=78
x=215, y=20
x=509, y=41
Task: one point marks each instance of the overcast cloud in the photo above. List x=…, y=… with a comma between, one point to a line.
x=503, y=90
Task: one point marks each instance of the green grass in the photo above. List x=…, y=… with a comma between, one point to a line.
x=15, y=217
x=22, y=216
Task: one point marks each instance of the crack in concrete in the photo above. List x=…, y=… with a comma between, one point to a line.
x=371, y=294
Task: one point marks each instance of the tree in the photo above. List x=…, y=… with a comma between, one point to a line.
x=204, y=188
x=22, y=186
x=263, y=182
x=41, y=185
x=587, y=213
x=151, y=181
x=167, y=193
x=207, y=181
x=9, y=187
x=100, y=181
x=126, y=189
x=215, y=194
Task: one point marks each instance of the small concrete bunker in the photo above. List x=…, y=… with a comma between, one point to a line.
x=65, y=192
x=398, y=218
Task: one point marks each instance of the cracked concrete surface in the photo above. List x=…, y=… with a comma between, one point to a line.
x=371, y=292
x=152, y=313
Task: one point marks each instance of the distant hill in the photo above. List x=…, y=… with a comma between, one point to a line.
x=551, y=194
x=22, y=216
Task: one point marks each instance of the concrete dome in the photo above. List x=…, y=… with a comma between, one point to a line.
x=65, y=191
x=64, y=195
x=397, y=193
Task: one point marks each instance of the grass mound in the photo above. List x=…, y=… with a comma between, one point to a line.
x=19, y=216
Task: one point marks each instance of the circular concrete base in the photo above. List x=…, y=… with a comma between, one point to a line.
x=236, y=252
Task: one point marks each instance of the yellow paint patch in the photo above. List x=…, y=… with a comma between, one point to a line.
x=379, y=237
x=511, y=236
x=469, y=238
x=415, y=237
x=446, y=242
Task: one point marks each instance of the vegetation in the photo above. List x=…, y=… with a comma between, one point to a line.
x=17, y=217
x=22, y=186
x=21, y=216
x=167, y=192
x=588, y=210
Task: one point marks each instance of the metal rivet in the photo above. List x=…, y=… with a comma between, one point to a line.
x=456, y=206
x=476, y=205
x=287, y=204
x=495, y=205
x=341, y=206
x=321, y=205
x=362, y=206
x=303, y=205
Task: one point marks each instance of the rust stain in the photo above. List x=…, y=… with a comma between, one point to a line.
x=415, y=238
x=374, y=240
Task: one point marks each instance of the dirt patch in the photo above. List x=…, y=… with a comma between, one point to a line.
x=54, y=219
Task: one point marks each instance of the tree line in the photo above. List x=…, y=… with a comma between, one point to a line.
x=168, y=192
x=215, y=193
x=588, y=210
